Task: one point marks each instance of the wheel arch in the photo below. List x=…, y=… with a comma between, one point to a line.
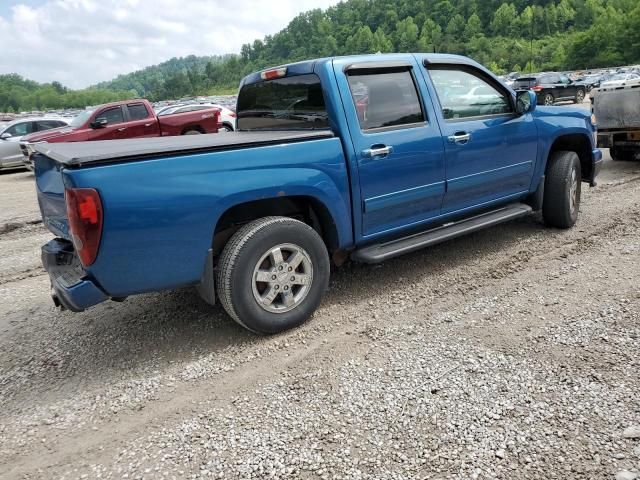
x=306, y=208
x=574, y=142
x=192, y=127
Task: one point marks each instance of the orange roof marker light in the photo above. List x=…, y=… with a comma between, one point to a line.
x=275, y=73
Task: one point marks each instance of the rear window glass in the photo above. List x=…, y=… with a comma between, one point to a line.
x=290, y=103
x=524, y=83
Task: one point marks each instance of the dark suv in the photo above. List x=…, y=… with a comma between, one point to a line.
x=551, y=87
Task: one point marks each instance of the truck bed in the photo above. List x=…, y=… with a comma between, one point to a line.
x=80, y=154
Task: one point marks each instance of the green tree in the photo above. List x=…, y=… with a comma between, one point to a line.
x=473, y=28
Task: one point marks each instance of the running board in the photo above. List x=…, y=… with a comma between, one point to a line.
x=380, y=252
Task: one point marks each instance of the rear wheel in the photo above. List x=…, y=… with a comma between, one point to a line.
x=579, y=96
x=192, y=132
x=548, y=99
x=622, y=155
x=272, y=274
x=562, y=189
x=225, y=128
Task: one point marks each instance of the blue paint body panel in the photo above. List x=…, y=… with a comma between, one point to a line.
x=160, y=213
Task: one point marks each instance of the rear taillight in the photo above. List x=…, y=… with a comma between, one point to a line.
x=84, y=209
x=537, y=88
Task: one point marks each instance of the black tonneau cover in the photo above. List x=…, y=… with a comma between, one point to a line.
x=77, y=154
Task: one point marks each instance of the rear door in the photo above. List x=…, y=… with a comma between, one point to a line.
x=398, y=145
x=570, y=89
x=116, y=127
x=490, y=150
x=141, y=122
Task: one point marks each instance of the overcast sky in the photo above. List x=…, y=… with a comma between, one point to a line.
x=82, y=42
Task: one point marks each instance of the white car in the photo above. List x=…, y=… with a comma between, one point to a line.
x=10, y=134
x=620, y=79
x=227, y=116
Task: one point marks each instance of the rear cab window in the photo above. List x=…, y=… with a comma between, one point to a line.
x=385, y=98
x=288, y=103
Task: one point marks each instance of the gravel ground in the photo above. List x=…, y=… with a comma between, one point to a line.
x=513, y=353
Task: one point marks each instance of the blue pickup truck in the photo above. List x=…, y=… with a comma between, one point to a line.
x=363, y=157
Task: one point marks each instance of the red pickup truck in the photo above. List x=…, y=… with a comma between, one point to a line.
x=126, y=119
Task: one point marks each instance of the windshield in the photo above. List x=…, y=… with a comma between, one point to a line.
x=290, y=103
x=81, y=119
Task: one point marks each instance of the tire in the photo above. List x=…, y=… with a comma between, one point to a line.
x=265, y=307
x=548, y=99
x=622, y=155
x=562, y=189
x=225, y=128
x=579, y=97
x=192, y=132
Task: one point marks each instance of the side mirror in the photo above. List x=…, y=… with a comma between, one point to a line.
x=5, y=136
x=526, y=102
x=99, y=122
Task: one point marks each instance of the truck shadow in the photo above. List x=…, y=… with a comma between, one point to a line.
x=114, y=341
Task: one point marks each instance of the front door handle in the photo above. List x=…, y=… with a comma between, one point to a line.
x=122, y=129
x=380, y=151
x=460, y=138
x=148, y=124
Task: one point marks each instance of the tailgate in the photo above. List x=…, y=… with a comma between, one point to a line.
x=617, y=108
x=50, y=190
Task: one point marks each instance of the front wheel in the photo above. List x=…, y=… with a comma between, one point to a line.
x=272, y=274
x=562, y=190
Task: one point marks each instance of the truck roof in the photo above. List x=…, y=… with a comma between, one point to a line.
x=308, y=66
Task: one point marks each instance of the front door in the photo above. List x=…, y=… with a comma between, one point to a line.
x=398, y=145
x=490, y=150
x=115, y=128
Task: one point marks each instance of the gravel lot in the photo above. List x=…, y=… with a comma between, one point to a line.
x=513, y=353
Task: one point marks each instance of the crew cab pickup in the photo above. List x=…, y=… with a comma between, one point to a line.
x=120, y=120
x=366, y=157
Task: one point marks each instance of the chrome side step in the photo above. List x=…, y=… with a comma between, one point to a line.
x=380, y=252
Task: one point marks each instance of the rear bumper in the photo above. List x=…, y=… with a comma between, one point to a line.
x=70, y=288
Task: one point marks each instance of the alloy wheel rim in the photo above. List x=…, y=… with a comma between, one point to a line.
x=282, y=278
x=573, y=191
x=548, y=100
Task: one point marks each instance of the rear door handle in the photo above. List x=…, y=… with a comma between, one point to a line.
x=148, y=124
x=460, y=138
x=122, y=129
x=377, y=151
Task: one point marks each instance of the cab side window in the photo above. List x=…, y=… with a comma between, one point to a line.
x=463, y=93
x=137, y=111
x=385, y=98
x=113, y=115
x=20, y=129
